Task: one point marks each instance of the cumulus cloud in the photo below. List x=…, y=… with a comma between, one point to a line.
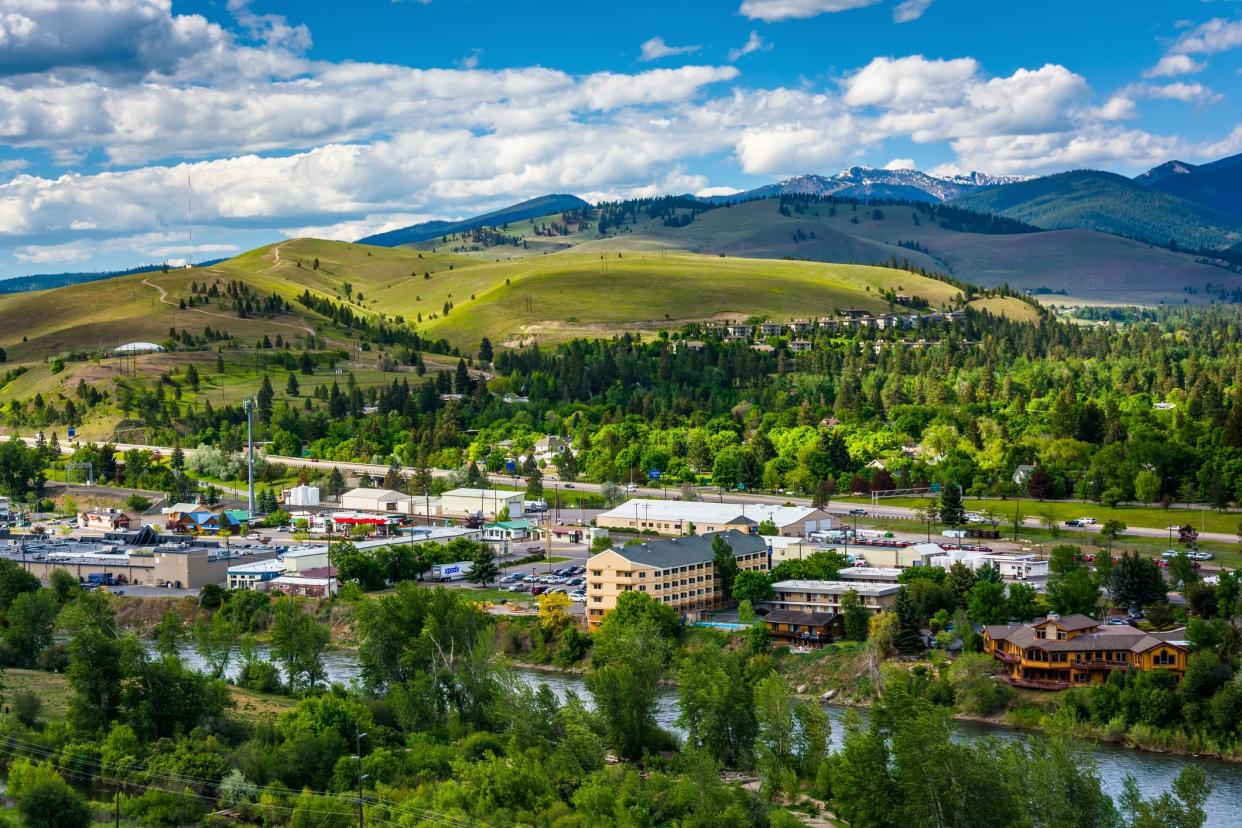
x=754, y=43
x=901, y=164
x=278, y=143
x=1216, y=35
x=1173, y=65
x=771, y=11
x=655, y=48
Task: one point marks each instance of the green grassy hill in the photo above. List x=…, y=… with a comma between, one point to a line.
x=1093, y=200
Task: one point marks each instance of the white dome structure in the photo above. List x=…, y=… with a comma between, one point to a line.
x=137, y=348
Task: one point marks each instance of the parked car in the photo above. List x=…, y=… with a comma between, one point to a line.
x=578, y=598
x=569, y=485
x=631, y=487
x=1201, y=556
x=1073, y=522
x=1088, y=521
x=860, y=512
x=539, y=590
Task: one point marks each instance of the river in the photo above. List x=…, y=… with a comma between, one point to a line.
x=1154, y=771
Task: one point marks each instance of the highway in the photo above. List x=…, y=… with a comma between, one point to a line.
x=703, y=493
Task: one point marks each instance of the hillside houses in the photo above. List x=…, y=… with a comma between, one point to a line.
x=846, y=319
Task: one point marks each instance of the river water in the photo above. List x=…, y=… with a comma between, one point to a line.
x=1154, y=771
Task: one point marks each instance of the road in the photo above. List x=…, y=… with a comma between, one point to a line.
x=703, y=493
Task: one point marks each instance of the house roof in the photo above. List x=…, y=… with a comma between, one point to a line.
x=814, y=619
x=377, y=494
x=1072, y=623
x=511, y=524
x=692, y=549
x=1108, y=637
x=700, y=512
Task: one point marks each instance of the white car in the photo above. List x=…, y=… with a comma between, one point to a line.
x=253, y=536
x=631, y=487
x=1087, y=521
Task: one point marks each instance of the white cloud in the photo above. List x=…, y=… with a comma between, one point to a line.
x=908, y=81
x=901, y=164
x=1186, y=92
x=771, y=11
x=1173, y=65
x=1119, y=107
x=78, y=251
x=754, y=43
x=909, y=10
x=470, y=61
x=1216, y=35
x=709, y=192
x=655, y=48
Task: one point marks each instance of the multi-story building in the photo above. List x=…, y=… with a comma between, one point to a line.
x=871, y=574
x=825, y=596
x=1060, y=652
x=803, y=629
x=679, y=572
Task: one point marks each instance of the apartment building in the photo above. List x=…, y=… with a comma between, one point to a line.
x=679, y=572
x=1061, y=652
x=825, y=596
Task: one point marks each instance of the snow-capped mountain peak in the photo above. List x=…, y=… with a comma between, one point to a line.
x=873, y=182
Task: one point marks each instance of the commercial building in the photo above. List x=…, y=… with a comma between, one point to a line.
x=140, y=557
x=512, y=531
x=484, y=503
x=870, y=574
x=414, y=535
x=679, y=572
x=1061, y=652
x=825, y=596
x=680, y=517
x=307, y=586
x=301, y=558
x=783, y=548
x=375, y=500
x=1012, y=567
x=254, y=574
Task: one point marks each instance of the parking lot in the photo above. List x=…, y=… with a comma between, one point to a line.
x=569, y=579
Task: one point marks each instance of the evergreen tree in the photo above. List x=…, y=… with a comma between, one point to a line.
x=336, y=482
x=291, y=387
x=909, y=637
x=856, y=616
x=485, y=350
x=264, y=400
x=1137, y=581
x=726, y=565
x=952, y=513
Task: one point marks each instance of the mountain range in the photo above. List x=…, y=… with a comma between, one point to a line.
x=875, y=183
x=427, y=230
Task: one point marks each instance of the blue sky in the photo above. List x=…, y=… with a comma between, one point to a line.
x=340, y=119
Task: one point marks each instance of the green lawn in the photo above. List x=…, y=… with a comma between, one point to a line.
x=498, y=595
x=1153, y=517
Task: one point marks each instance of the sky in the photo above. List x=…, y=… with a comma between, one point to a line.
x=271, y=119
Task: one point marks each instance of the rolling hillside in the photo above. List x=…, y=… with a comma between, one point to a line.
x=1108, y=203
x=1087, y=266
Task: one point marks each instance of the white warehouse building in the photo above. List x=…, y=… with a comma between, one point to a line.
x=674, y=517
x=487, y=503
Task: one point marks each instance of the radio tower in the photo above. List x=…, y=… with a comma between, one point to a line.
x=189, y=218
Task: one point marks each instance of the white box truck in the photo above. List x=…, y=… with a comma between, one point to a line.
x=451, y=571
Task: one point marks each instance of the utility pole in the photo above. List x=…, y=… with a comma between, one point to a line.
x=248, y=405
x=361, y=776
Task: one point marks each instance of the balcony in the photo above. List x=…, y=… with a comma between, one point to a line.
x=1083, y=664
x=1038, y=684
x=1008, y=658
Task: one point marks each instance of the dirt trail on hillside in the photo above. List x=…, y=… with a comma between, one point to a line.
x=164, y=299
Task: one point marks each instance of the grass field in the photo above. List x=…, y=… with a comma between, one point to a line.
x=53, y=690
x=1153, y=517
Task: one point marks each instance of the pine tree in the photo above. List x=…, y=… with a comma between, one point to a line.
x=952, y=513
x=291, y=387
x=265, y=396
x=336, y=482
x=485, y=350
x=909, y=633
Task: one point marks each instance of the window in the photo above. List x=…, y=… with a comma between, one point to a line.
x=1039, y=633
x=1080, y=678
x=598, y=599
x=1164, y=657
x=597, y=572
x=642, y=587
x=642, y=575
x=1060, y=636
x=597, y=586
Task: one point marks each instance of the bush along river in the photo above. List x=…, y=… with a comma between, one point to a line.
x=1153, y=771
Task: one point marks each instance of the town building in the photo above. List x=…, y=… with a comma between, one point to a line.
x=510, y=531
x=825, y=596
x=484, y=503
x=783, y=548
x=375, y=500
x=321, y=584
x=797, y=628
x=104, y=520
x=870, y=574
x=254, y=574
x=680, y=517
x=196, y=519
x=1061, y=652
x=679, y=572
x=301, y=558
x=414, y=535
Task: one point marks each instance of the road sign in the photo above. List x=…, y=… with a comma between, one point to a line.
x=934, y=488
x=73, y=432
x=741, y=487
x=511, y=466
x=653, y=474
